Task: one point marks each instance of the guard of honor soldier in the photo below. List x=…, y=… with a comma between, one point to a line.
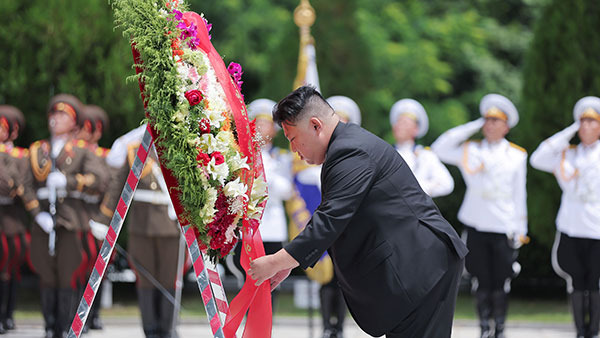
x=494, y=209
x=94, y=121
x=277, y=164
x=13, y=218
x=61, y=169
x=154, y=234
x=409, y=121
x=577, y=245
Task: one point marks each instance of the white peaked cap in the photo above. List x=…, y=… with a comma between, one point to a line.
x=261, y=107
x=345, y=107
x=412, y=107
x=584, y=104
x=502, y=103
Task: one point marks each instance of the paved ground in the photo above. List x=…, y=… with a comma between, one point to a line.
x=290, y=328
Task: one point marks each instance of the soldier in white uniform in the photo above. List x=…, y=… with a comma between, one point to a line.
x=409, y=121
x=494, y=208
x=577, y=246
x=278, y=173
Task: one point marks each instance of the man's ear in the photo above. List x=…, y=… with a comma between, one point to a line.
x=316, y=124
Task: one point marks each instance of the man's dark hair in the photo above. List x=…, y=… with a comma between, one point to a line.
x=292, y=107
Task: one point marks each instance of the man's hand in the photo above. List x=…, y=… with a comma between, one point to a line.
x=277, y=265
x=262, y=269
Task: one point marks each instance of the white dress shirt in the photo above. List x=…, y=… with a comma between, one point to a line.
x=495, y=175
x=278, y=174
x=432, y=175
x=577, y=170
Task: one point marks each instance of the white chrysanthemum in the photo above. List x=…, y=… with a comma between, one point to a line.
x=230, y=233
x=218, y=172
x=235, y=188
x=237, y=162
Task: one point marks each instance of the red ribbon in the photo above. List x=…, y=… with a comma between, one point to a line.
x=256, y=300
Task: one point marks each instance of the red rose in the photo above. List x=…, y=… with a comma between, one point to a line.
x=203, y=159
x=204, y=125
x=219, y=159
x=194, y=97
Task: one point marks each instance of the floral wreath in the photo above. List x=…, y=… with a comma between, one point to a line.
x=219, y=187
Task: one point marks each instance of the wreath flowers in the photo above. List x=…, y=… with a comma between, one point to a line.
x=186, y=104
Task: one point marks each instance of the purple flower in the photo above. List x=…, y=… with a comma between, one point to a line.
x=178, y=15
x=235, y=69
x=208, y=27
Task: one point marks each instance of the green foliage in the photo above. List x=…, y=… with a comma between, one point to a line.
x=561, y=66
x=57, y=46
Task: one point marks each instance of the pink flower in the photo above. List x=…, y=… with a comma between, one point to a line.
x=219, y=159
x=194, y=97
x=204, y=125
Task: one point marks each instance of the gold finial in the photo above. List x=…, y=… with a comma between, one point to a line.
x=304, y=14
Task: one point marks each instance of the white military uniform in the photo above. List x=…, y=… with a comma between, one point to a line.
x=278, y=173
x=432, y=175
x=577, y=243
x=495, y=175
x=494, y=206
x=277, y=164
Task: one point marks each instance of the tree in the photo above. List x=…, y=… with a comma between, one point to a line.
x=561, y=66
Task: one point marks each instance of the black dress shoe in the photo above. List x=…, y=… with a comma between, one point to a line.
x=9, y=324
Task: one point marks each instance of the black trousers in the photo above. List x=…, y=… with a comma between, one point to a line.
x=490, y=259
x=433, y=317
x=578, y=258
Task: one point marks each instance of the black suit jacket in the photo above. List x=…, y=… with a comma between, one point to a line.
x=389, y=243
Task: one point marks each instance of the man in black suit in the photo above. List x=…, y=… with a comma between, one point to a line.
x=397, y=259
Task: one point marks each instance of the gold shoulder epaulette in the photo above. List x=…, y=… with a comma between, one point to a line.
x=283, y=151
x=427, y=148
x=517, y=147
x=571, y=146
x=2, y=148
x=99, y=152
x=40, y=173
x=81, y=144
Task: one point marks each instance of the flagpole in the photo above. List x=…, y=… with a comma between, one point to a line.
x=304, y=18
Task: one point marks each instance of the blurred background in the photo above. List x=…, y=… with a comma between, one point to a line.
x=542, y=54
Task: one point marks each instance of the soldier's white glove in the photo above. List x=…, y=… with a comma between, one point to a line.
x=516, y=241
x=45, y=221
x=99, y=230
x=57, y=180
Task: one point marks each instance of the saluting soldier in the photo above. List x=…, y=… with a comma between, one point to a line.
x=409, y=121
x=494, y=209
x=577, y=244
x=154, y=233
x=61, y=170
x=13, y=217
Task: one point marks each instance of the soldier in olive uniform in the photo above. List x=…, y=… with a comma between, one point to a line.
x=61, y=170
x=91, y=240
x=13, y=218
x=153, y=232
